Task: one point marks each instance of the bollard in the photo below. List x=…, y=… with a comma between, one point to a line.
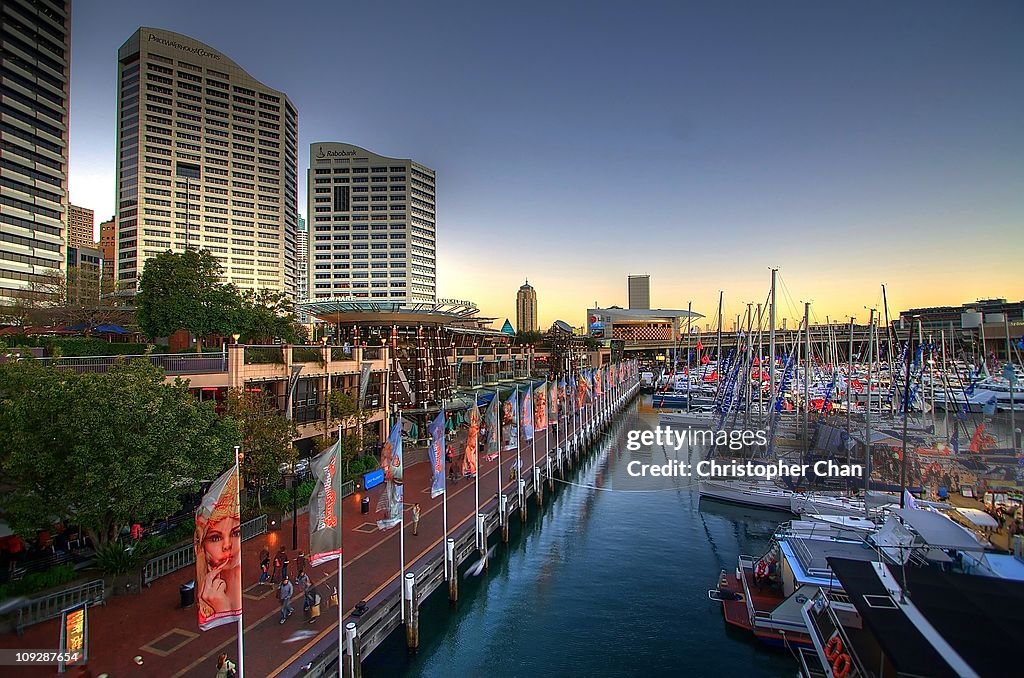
x=412, y=613
x=551, y=479
x=352, y=661
x=522, y=500
x=481, y=533
x=503, y=517
x=538, y=485
x=453, y=572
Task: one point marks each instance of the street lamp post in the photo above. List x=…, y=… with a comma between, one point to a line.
x=292, y=480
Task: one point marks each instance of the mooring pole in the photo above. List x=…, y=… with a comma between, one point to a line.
x=412, y=613
x=353, y=665
x=453, y=581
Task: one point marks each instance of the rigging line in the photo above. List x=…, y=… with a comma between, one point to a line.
x=612, y=489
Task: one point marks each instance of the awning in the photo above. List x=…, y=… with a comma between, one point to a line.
x=978, y=517
x=938, y=530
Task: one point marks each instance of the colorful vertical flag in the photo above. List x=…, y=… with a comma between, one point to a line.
x=391, y=461
x=540, y=407
x=553, y=396
x=509, y=422
x=581, y=390
x=325, y=508
x=598, y=383
x=493, y=424
x=563, y=394
x=218, y=546
x=472, y=443
x=526, y=414
x=436, y=431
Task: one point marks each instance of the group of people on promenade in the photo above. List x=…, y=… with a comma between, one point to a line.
x=275, y=573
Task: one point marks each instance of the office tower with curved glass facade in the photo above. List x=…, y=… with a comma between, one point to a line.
x=207, y=157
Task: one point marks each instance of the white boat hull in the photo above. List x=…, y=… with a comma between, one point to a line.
x=759, y=495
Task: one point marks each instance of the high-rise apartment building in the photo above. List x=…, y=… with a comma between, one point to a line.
x=207, y=157
x=526, y=308
x=35, y=72
x=108, y=246
x=373, y=226
x=81, y=227
x=301, y=261
x=639, y=292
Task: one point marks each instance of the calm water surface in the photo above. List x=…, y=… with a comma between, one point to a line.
x=610, y=578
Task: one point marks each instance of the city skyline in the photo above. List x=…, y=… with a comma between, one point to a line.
x=701, y=145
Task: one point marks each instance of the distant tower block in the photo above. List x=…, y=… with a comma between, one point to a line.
x=526, y=308
x=639, y=292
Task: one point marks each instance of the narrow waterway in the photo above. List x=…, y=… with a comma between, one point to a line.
x=610, y=578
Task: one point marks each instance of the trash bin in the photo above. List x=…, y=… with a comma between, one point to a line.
x=364, y=505
x=188, y=593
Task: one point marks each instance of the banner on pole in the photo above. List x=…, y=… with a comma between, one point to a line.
x=218, y=547
x=436, y=431
x=391, y=462
x=325, y=508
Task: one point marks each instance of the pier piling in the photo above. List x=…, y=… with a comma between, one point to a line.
x=551, y=479
x=351, y=661
x=538, y=485
x=503, y=517
x=412, y=613
x=453, y=571
x=522, y=500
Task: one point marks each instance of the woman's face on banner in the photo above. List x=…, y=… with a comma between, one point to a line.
x=222, y=542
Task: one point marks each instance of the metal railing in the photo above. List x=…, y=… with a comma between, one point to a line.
x=50, y=606
x=185, y=555
x=338, y=353
x=264, y=355
x=307, y=354
x=173, y=363
x=373, y=353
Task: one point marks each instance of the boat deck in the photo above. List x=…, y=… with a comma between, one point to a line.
x=762, y=602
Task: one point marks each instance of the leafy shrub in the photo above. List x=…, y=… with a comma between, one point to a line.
x=117, y=558
x=38, y=581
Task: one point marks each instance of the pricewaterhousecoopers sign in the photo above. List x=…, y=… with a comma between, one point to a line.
x=198, y=51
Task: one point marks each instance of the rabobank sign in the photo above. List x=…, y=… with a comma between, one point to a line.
x=343, y=153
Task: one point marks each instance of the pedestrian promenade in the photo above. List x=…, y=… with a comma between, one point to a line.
x=152, y=625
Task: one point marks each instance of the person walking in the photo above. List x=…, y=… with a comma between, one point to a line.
x=265, y=569
x=284, y=564
x=226, y=667
x=300, y=562
x=284, y=594
x=278, y=564
x=415, y=519
x=314, y=603
x=302, y=581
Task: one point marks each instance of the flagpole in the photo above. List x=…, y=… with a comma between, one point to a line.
x=341, y=609
x=401, y=533
x=476, y=484
x=501, y=420
x=238, y=508
x=444, y=499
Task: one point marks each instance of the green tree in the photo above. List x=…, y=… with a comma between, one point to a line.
x=182, y=290
x=266, y=439
x=345, y=414
x=265, y=316
x=103, y=450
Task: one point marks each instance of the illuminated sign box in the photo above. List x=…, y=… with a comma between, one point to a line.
x=373, y=478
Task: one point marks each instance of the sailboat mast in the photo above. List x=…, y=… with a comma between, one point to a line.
x=849, y=374
x=689, y=320
x=906, y=413
x=807, y=378
x=718, y=349
x=771, y=338
x=1011, y=377
x=867, y=411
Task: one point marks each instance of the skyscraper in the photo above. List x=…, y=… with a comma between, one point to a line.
x=639, y=292
x=526, y=308
x=35, y=73
x=81, y=224
x=301, y=261
x=373, y=226
x=207, y=157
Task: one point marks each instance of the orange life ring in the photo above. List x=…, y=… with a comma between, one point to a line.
x=833, y=648
x=841, y=666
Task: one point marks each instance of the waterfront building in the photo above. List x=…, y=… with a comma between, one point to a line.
x=108, y=245
x=81, y=224
x=35, y=74
x=207, y=158
x=526, y=308
x=639, y=288
x=964, y=317
x=373, y=234
x=641, y=329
